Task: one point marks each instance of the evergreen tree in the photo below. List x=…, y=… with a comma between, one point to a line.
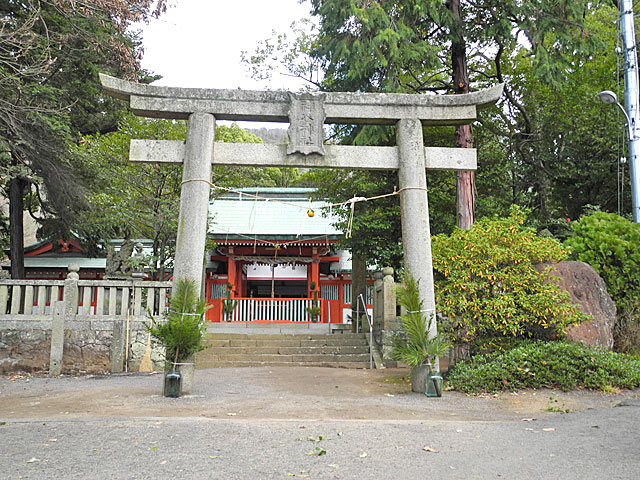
x=50, y=52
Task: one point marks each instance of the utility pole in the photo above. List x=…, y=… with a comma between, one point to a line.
x=631, y=90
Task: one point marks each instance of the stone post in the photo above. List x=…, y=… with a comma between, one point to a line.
x=194, y=198
x=378, y=307
x=57, y=339
x=118, y=345
x=63, y=312
x=389, y=317
x=414, y=207
x=70, y=294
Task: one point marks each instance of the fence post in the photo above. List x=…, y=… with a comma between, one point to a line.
x=378, y=306
x=70, y=293
x=118, y=335
x=388, y=314
x=57, y=339
x=63, y=312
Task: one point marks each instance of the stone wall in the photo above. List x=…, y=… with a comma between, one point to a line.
x=85, y=350
x=24, y=351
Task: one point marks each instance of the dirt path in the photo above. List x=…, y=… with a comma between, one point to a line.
x=279, y=393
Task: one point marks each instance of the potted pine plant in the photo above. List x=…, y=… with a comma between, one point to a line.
x=181, y=332
x=314, y=310
x=228, y=304
x=412, y=344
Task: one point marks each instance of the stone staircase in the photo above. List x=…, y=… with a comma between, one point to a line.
x=284, y=347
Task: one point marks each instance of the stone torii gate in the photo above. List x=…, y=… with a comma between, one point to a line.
x=306, y=114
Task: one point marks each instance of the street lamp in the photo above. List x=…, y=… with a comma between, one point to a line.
x=610, y=98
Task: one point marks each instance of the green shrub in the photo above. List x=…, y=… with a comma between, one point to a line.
x=183, y=326
x=486, y=283
x=611, y=245
x=626, y=333
x=412, y=344
x=537, y=364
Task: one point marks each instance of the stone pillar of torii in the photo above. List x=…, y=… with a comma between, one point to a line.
x=306, y=114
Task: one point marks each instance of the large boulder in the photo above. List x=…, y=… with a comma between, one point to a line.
x=589, y=292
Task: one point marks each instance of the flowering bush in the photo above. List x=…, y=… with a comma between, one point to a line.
x=486, y=283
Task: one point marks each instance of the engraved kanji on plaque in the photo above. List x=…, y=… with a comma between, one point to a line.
x=306, y=118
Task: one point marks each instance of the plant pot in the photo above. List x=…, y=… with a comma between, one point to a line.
x=172, y=386
x=187, y=370
x=425, y=380
x=419, y=378
x=434, y=385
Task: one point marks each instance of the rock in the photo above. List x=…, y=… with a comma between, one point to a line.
x=589, y=292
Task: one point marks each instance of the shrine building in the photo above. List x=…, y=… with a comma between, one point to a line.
x=272, y=248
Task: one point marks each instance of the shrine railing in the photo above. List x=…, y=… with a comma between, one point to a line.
x=31, y=299
x=271, y=310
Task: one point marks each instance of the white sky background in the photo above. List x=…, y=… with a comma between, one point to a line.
x=197, y=43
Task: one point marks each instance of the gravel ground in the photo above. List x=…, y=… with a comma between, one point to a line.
x=243, y=423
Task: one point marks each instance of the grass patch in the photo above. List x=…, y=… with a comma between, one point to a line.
x=396, y=379
x=538, y=364
x=553, y=406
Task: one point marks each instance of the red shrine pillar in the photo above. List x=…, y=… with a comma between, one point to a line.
x=313, y=273
x=231, y=273
x=239, y=286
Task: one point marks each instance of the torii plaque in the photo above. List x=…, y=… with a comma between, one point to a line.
x=410, y=157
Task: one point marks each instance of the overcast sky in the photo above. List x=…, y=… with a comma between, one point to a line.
x=197, y=43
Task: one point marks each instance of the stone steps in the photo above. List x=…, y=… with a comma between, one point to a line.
x=275, y=342
x=346, y=350
x=292, y=350
x=332, y=364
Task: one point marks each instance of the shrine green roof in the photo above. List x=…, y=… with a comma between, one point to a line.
x=276, y=213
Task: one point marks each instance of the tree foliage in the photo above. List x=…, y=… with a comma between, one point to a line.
x=611, y=245
x=131, y=200
x=486, y=284
x=50, y=53
x=556, y=147
x=136, y=200
x=546, y=146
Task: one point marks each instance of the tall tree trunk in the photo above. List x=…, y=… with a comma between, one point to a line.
x=464, y=136
x=16, y=227
x=466, y=180
x=358, y=287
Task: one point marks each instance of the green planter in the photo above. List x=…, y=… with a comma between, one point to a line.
x=434, y=385
x=172, y=384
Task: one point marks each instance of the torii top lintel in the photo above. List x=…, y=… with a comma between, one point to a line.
x=273, y=106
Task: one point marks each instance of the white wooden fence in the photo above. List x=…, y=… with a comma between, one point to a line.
x=270, y=310
x=22, y=299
